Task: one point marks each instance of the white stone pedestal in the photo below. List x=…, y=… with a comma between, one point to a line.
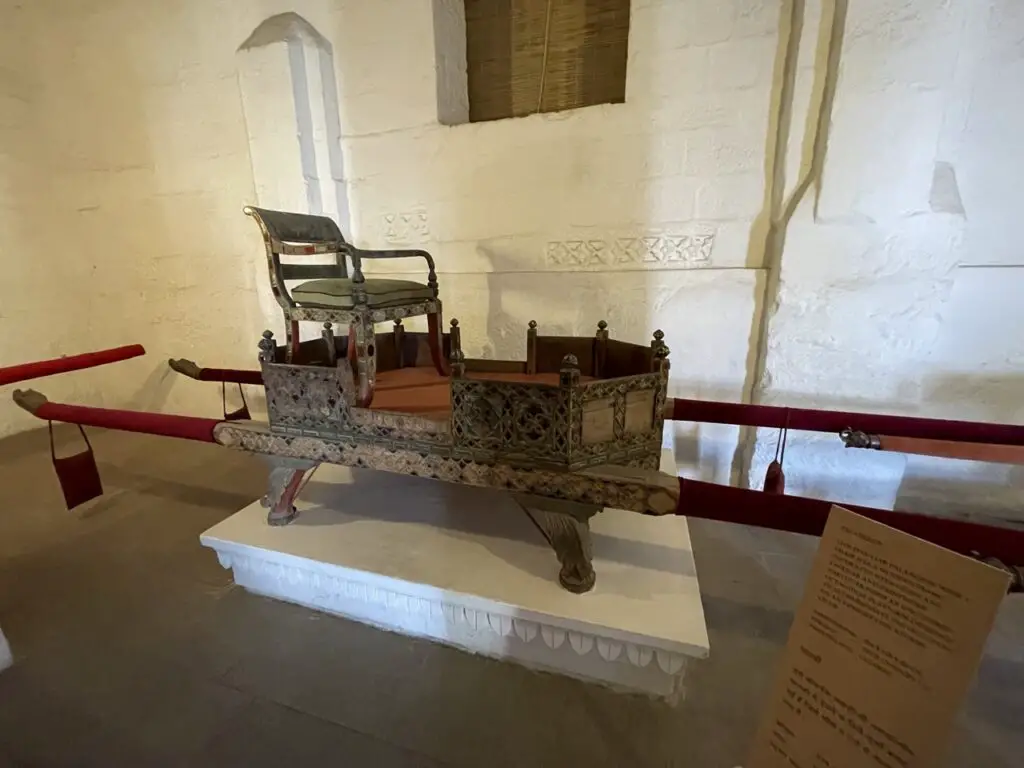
x=466, y=566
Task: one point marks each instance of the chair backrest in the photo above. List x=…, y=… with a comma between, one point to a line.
x=299, y=234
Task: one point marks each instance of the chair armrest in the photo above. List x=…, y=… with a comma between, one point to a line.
x=358, y=254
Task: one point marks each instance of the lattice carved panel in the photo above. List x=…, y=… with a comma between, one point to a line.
x=527, y=421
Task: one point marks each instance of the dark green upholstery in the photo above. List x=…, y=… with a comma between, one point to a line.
x=337, y=293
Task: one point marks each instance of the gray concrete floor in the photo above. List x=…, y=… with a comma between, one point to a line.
x=133, y=647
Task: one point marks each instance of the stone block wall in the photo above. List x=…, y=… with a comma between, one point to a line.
x=871, y=263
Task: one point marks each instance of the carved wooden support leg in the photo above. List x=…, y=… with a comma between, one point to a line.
x=362, y=335
x=566, y=526
x=436, y=343
x=285, y=479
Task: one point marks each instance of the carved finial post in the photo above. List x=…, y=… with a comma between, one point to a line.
x=455, y=356
x=659, y=352
x=569, y=372
x=268, y=349
x=531, y=347
x=359, y=297
x=332, y=349
x=399, y=339
x=600, y=348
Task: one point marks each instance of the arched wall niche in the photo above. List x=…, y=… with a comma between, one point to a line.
x=290, y=99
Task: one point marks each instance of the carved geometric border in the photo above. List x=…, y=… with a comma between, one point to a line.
x=525, y=630
x=651, y=251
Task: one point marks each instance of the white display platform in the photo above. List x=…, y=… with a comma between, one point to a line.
x=467, y=567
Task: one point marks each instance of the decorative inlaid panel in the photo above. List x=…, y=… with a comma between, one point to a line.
x=653, y=251
x=522, y=421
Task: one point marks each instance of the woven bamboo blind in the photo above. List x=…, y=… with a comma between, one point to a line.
x=526, y=56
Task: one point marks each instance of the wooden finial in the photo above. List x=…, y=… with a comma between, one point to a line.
x=531, y=347
x=332, y=348
x=456, y=358
x=398, y=339
x=569, y=372
x=600, y=349
x=659, y=352
x=268, y=349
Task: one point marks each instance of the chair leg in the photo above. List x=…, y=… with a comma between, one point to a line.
x=291, y=330
x=435, y=340
x=363, y=354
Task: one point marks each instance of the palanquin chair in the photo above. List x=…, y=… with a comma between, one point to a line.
x=329, y=295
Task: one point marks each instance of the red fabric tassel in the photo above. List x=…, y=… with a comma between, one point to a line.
x=775, y=479
x=78, y=475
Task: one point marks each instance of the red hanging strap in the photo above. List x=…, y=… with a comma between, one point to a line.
x=774, y=477
x=78, y=475
x=238, y=415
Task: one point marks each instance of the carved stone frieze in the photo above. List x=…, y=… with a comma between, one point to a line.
x=665, y=250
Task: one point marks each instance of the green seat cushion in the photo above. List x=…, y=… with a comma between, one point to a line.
x=336, y=292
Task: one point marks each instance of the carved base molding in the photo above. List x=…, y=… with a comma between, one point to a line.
x=494, y=632
x=467, y=567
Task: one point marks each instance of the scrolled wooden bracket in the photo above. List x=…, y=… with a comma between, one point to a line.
x=185, y=368
x=30, y=400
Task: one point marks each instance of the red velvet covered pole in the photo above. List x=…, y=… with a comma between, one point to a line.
x=25, y=371
x=812, y=420
x=226, y=375
x=231, y=376
x=185, y=427
x=808, y=516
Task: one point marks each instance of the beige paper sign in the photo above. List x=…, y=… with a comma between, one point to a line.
x=881, y=652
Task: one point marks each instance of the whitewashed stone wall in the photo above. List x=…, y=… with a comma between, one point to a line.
x=895, y=290
x=885, y=303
